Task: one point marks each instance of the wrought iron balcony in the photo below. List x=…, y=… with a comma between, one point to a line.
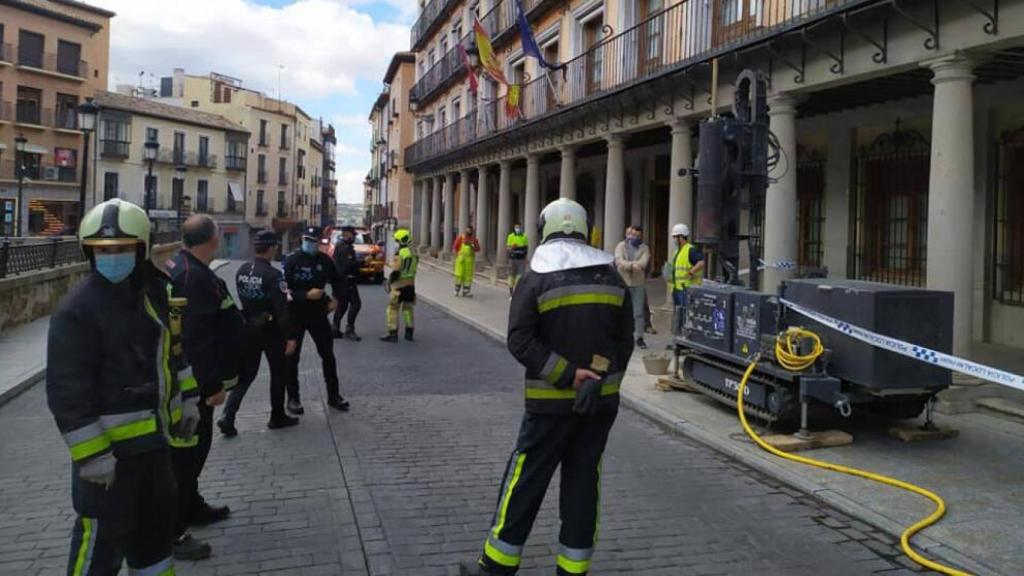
x=431, y=16
x=234, y=162
x=449, y=68
x=115, y=148
x=51, y=63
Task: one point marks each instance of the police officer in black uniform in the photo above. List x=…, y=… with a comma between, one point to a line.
x=264, y=296
x=308, y=271
x=212, y=334
x=348, y=270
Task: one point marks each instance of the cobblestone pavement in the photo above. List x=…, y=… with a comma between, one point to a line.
x=406, y=482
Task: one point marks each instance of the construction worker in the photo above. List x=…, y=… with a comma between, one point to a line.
x=308, y=271
x=264, y=297
x=402, y=287
x=687, y=270
x=212, y=335
x=518, y=248
x=348, y=271
x=465, y=248
x=121, y=392
x=571, y=327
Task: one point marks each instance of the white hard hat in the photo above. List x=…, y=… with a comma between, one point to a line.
x=563, y=218
x=681, y=230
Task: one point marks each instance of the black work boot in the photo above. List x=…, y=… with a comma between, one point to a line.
x=338, y=403
x=338, y=335
x=227, y=428
x=392, y=337
x=408, y=334
x=282, y=421
x=474, y=569
x=205, y=514
x=350, y=334
x=294, y=406
x=188, y=548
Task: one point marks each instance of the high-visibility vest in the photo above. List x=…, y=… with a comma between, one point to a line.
x=680, y=272
x=516, y=240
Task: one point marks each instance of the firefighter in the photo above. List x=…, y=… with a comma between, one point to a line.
x=264, y=296
x=307, y=272
x=212, y=334
x=402, y=287
x=121, y=392
x=348, y=270
x=518, y=248
x=465, y=248
x=571, y=327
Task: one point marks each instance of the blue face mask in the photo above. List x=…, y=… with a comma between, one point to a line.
x=309, y=247
x=636, y=242
x=115, y=267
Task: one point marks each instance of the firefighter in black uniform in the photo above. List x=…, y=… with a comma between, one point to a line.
x=264, y=296
x=212, y=340
x=116, y=392
x=571, y=326
x=348, y=270
x=308, y=271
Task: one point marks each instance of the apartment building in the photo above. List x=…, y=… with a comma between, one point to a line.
x=309, y=161
x=197, y=163
x=53, y=55
x=393, y=131
x=328, y=176
x=900, y=126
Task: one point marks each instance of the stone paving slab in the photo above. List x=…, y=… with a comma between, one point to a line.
x=980, y=473
x=22, y=357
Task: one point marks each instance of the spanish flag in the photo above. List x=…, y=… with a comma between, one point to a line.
x=512, y=101
x=488, y=60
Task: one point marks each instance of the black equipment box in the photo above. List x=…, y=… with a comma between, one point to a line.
x=918, y=316
x=709, y=316
x=754, y=315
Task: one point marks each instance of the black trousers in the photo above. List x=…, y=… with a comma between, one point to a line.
x=320, y=329
x=188, y=464
x=133, y=521
x=258, y=341
x=348, y=301
x=547, y=441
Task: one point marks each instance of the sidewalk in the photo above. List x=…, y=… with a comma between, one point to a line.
x=980, y=474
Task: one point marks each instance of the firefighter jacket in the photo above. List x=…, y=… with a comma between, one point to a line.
x=303, y=272
x=572, y=310
x=264, y=295
x=213, y=324
x=116, y=377
x=403, y=268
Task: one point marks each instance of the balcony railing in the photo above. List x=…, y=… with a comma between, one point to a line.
x=430, y=17
x=6, y=112
x=51, y=63
x=38, y=172
x=282, y=178
x=185, y=158
x=234, y=162
x=450, y=67
x=115, y=148
x=6, y=53
x=684, y=34
x=34, y=115
x=261, y=210
x=261, y=176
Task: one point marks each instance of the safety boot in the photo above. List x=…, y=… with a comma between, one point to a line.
x=465, y=292
x=338, y=403
x=392, y=337
x=408, y=334
x=294, y=406
x=282, y=421
x=474, y=569
x=227, y=428
x=458, y=290
x=188, y=548
x=350, y=334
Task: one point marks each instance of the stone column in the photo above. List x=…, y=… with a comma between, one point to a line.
x=463, y=199
x=614, y=194
x=483, y=215
x=504, y=211
x=435, y=215
x=680, y=188
x=951, y=192
x=567, y=181
x=780, y=222
x=424, y=235
x=449, y=212
x=532, y=210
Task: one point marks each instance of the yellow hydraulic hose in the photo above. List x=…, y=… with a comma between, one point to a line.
x=787, y=355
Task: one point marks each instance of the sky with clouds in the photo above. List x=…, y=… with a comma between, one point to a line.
x=334, y=54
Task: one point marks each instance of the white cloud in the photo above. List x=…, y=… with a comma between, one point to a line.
x=324, y=45
x=350, y=186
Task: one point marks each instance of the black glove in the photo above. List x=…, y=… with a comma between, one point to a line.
x=587, y=397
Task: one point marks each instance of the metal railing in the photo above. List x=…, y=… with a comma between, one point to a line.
x=24, y=256
x=234, y=162
x=65, y=119
x=430, y=17
x=115, y=148
x=184, y=158
x=448, y=68
x=51, y=63
x=684, y=34
x=38, y=172
x=6, y=111
x=282, y=178
x=7, y=52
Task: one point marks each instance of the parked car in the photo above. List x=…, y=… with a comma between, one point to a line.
x=370, y=254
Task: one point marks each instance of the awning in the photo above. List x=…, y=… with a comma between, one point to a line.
x=236, y=192
x=36, y=149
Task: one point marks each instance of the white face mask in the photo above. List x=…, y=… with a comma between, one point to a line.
x=518, y=230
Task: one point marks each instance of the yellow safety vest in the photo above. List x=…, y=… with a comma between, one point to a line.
x=681, y=271
x=466, y=249
x=516, y=240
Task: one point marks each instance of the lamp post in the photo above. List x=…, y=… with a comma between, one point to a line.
x=149, y=150
x=473, y=54
x=179, y=175
x=19, y=165
x=87, y=112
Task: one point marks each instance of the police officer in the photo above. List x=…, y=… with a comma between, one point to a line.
x=402, y=287
x=264, y=296
x=117, y=394
x=308, y=271
x=348, y=271
x=571, y=326
x=212, y=341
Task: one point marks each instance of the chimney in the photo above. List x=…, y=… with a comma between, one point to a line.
x=179, y=82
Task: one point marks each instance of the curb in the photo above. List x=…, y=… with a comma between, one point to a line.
x=768, y=466
x=16, y=390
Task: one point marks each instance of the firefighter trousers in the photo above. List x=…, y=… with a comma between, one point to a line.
x=547, y=441
x=319, y=327
x=258, y=341
x=401, y=300
x=132, y=521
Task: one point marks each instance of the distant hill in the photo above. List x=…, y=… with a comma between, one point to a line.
x=351, y=214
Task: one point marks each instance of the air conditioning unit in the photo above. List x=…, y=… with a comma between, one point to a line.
x=51, y=173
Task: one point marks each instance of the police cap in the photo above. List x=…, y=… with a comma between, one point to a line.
x=265, y=239
x=313, y=233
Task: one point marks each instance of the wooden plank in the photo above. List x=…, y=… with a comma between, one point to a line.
x=823, y=439
x=918, y=434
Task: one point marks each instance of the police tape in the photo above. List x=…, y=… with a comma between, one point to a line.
x=777, y=265
x=921, y=353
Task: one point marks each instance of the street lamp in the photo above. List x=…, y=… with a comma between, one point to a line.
x=149, y=150
x=179, y=175
x=473, y=54
x=19, y=165
x=87, y=112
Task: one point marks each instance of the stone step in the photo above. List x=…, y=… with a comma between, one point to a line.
x=1002, y=407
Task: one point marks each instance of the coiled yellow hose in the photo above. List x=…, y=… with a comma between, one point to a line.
x=786, y=346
